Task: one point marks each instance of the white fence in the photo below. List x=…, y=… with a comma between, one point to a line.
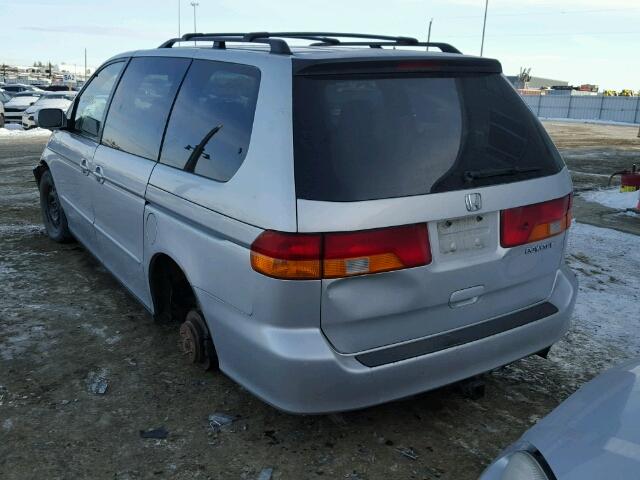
x=615, y=109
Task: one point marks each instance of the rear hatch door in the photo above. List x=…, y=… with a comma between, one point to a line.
x=443, y=142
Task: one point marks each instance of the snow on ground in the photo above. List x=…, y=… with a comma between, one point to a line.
x=607, y=263
x=16, y=130
x=612, y=198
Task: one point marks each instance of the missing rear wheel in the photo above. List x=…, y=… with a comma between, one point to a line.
x=195, y=341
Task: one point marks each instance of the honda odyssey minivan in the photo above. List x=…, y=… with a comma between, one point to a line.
x=333, y=225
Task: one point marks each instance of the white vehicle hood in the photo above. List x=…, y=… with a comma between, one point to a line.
x=20, y=102
x=60, y=103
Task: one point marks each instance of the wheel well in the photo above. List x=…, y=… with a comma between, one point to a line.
x=171, y=292
x=39, y=170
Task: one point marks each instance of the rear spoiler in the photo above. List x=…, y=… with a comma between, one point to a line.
x=444, y=64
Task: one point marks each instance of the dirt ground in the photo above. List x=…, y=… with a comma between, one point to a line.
x=68, y=330
x=593, y=152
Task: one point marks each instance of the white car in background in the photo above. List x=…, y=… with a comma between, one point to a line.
x=12, y=89
x=60, y=100
x=15, y=107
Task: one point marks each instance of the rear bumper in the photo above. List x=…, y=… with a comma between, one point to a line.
x=296, y=370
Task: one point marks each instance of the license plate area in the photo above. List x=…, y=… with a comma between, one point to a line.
x=466, y=235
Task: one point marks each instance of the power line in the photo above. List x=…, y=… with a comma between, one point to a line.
x=547, y=12
x=538, y=34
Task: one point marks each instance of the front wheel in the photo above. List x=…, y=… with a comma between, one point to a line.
x=53, y=217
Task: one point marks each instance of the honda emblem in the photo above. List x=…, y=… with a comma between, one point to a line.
x=473, y=201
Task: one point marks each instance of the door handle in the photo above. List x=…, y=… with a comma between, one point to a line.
x=99, y=174
x=84, y=167
x=467, y=296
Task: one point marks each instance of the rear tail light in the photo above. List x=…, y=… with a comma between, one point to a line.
x=333, y=255
x=287, y=255
x=532, y=223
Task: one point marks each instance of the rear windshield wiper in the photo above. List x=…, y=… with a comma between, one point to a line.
x=471, y=175
x=197, y=151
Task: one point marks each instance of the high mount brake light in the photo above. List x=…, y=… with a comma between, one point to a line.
x=333, y=255
x=532, y=223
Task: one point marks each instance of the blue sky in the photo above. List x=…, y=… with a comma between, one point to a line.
x=581, y=41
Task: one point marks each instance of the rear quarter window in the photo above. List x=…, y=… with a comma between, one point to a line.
x=216, y=95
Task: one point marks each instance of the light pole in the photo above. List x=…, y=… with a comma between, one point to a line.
x=484, y=25
x=179, y=18
x=194, y=5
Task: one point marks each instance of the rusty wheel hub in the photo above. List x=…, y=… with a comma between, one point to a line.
x=191, y=342
x=195, y=341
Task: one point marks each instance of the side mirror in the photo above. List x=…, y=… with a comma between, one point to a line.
x=51, y=118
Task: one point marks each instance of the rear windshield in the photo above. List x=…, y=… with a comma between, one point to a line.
x=365, y=137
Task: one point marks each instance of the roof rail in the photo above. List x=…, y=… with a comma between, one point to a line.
x=280, y=46
x=219, y=41
x=444, y=47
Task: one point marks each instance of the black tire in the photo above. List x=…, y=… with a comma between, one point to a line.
x=53, y=217
x=1, y=121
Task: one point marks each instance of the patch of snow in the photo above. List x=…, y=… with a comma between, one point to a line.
x=16, y=130
x=612, y=198
x=7, y=425
x=607, y=263
x=21, y=228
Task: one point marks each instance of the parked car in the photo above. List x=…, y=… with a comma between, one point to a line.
x=59, y=88
x=334, y=227
x=592, y=435
x=13, y=89
x=61, y=100
x=18, y=104
x=4, y=96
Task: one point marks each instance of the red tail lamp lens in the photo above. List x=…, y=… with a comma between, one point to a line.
x=536, y=222
x=287, y=255
x=334, y=255
x=373, y=251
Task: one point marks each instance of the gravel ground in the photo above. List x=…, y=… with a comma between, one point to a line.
x=84, y=369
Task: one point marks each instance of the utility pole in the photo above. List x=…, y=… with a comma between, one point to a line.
x=84, y=77
x=429, y=33
x=179, y=18
x=484, y=25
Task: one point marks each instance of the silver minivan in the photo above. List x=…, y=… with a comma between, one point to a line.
x=335, y=225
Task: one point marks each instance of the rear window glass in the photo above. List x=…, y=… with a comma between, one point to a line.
x=365, y=137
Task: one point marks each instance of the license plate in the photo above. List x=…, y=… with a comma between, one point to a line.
x=464, y=234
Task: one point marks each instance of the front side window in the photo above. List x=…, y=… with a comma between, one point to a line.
x=213, y=117
x=93, y=101
x=138, y=113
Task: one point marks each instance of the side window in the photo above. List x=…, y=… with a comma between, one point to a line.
x=139, y=109
x=93, y=101
x=211, y=122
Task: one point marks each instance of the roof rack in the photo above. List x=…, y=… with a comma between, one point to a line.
x=280, y=46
